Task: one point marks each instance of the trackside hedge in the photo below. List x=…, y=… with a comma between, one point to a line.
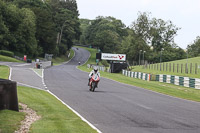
x=6, y=53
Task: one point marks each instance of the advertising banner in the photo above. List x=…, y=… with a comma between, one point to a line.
x=116, y=57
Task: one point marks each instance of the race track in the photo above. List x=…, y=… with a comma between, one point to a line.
x=120, y=108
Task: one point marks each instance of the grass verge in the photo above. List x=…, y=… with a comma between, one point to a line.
x=164, y=88
x=4, y=72
x=63, y=58
x=10, y=120
x=55, y=117
x=8, y=59
x=155, y=69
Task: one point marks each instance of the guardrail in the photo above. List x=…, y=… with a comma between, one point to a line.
x=139, y=75
x=176, y=80
x=101, y=68
x=179, y=80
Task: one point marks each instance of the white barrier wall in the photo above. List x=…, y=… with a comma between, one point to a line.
x=184, y=81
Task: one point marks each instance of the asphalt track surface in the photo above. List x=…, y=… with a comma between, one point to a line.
x=113, y=107
x=120, y=108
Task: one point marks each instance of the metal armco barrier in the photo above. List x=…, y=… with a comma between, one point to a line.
x=8, y=95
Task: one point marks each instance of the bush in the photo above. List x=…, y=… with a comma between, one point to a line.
x=105, y=63
x=6, y=53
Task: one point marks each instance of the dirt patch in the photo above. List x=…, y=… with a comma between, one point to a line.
x=30, y=118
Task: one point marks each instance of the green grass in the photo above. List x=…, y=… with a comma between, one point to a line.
x=4, y=72
x=63, y=58
x=55, y=117
x=8, y=59
x=10, y=120
x=164, y=88
x=153, y=68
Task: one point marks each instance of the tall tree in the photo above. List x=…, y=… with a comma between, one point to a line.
x=45, y=27
x=18, y=29
x=155, y=32
x=106, y=29
x=65, y=16
x=194, y=48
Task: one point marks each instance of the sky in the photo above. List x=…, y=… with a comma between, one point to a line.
x=185, y=14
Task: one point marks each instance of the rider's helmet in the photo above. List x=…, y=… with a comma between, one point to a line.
x=95, y=69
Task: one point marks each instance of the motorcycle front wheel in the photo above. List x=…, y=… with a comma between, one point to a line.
x=93, y=86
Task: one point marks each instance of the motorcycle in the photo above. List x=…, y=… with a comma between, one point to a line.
x=93, y=82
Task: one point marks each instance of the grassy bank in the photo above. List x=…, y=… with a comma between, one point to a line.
x=10, y=120
x=63, y=58
x=155, y=69
x=168, y=89
x=8, y=59
x=55, y=117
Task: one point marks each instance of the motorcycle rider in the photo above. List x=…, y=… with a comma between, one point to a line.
x=94, y=71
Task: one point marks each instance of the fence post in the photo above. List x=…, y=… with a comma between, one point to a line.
x=190, y=68
x=170, y=67
x=163, y=66
x=173, y=67
x=160, y=67
x=177, y=67
x=181, y=68
x=157, y=66
x=186, y=68
x=166, y=66
x=195, y=68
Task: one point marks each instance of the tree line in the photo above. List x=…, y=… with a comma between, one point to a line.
x=147, y=36
x=36, y=27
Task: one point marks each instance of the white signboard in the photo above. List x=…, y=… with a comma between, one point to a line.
x=116, y=57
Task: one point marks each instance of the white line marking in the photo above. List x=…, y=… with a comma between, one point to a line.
x=30, y=86
x=35, y=72
x=82, y=118
x=10, y=73
x=43, y=74
x=143, y=106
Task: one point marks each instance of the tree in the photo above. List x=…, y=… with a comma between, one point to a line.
x=45, y=27
x=133, y=45
x=101, y=29
x=194, y=48
x=84, y=24
x=17, y=29
x=65, y=17
x=155, y=32
x=25, y=35
x=107, y=40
